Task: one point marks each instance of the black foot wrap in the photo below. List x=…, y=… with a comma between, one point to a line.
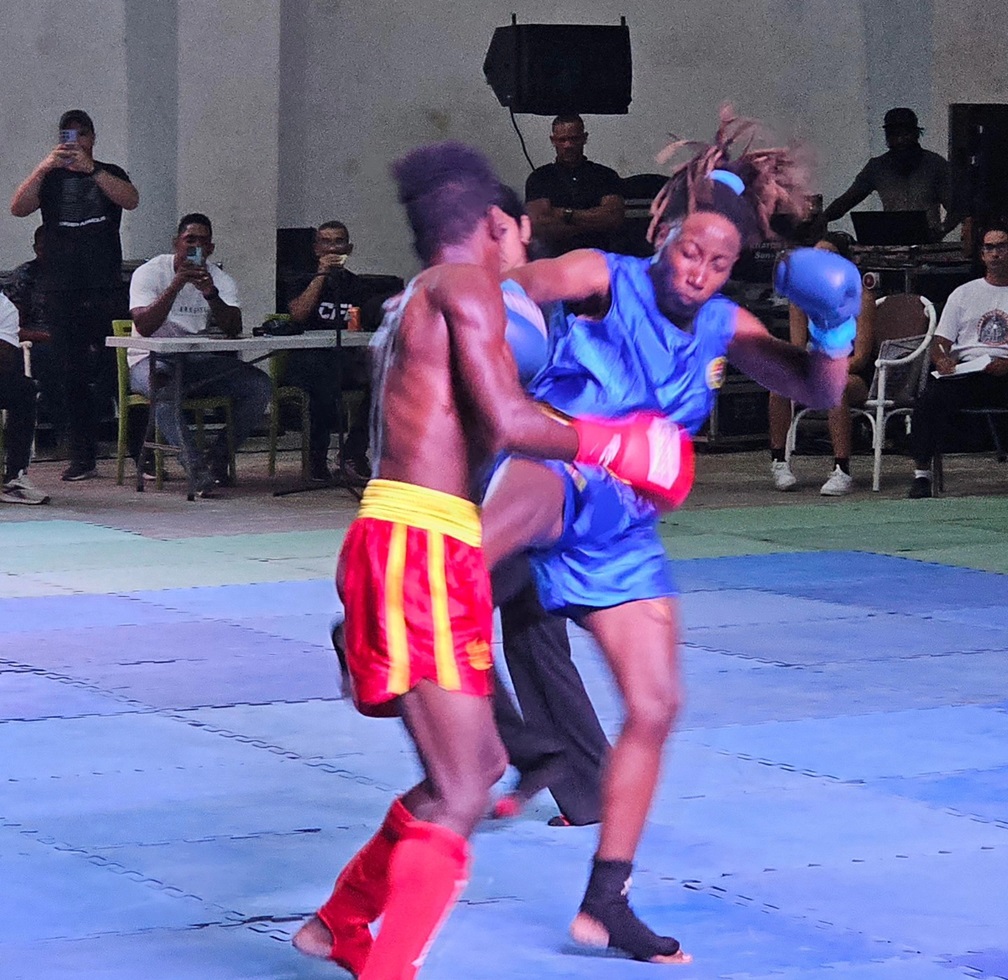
x=606, y=901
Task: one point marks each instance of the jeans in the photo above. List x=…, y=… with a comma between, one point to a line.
x=204, y=376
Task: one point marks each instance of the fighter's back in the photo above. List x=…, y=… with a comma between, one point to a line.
x=431, y=432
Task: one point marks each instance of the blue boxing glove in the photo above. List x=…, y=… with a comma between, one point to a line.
x=827, y=287
x=526, y=331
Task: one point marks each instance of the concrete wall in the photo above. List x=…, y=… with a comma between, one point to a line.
x=271, y=113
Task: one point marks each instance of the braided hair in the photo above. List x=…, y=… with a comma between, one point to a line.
x=748, y=190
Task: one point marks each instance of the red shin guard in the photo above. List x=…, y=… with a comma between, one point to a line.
x=361, y=891
x=427, y=873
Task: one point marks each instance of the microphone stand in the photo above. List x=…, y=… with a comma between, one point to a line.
x=340, y=480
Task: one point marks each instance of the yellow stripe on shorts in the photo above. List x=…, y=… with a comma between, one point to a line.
x=395, y=618
x=444, y=647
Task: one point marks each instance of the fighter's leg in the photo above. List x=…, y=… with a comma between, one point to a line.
x=640, y=642
x=522, y=508
x=463, y=757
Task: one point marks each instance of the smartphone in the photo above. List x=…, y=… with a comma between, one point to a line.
x=194, y=254
x=68, y=135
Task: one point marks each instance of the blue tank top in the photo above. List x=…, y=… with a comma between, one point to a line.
x=634, y=358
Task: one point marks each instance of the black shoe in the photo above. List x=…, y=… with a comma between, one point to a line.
x=920, y=488
x=220, y=473
x=356, y=471
x=318, y=470
x=79, y=471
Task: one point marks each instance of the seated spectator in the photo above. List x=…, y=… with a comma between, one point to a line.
x=320, y=300
x=861, y=369
x=17, y=396
x=26, y=291
x=574, y=202
x=973, y=331
x=178, y=294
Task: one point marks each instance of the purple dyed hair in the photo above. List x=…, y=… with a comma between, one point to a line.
x=447, y=188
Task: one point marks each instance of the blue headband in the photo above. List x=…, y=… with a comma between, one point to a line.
x=726, y=177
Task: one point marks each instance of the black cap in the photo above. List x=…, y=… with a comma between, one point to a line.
x=900, y=118
x=78, y=116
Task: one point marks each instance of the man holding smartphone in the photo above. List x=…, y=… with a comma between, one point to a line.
x=82, y=200
x=181, y=293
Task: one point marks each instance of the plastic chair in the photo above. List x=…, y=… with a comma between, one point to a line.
x=904, y=325
x=198, y=406
x=286, y=393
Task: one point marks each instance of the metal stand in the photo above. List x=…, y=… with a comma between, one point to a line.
x=340, y=480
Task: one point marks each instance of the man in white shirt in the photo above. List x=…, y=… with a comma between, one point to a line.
x=178, y=294
x=970, y=354
x=17, y=397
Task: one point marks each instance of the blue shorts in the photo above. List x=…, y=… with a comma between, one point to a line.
x=609, y=551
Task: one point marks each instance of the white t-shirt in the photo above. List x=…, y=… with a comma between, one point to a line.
x=975, y=319
x=9, y=321
x=190, y=312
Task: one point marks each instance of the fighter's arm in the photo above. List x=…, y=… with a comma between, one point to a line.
x=473, y=311
x=809, y=377
x=577, y=276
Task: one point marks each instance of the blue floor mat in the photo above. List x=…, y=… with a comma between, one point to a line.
x=181, y=784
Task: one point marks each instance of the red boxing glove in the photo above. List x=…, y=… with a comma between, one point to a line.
x=646, y=450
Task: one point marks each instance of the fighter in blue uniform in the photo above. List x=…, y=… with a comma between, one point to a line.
x=660, y=338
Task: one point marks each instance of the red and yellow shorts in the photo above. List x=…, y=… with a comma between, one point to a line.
x=417, y=596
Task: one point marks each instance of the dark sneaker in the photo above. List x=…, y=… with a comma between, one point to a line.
x=79, y=471
x=920, y=488
x=318, y=470
x=357, y=471
x=220, y=473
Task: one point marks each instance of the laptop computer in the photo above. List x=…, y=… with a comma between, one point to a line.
x=891, y=227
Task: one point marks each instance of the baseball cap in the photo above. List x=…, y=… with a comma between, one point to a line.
x=900, y=118
x=78, y=116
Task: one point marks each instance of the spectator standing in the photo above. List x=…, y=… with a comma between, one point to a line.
x=906, y=177
x=82, y=200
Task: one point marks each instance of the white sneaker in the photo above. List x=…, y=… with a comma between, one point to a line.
x=783, y=478
x=838, y=484
x=20, y=491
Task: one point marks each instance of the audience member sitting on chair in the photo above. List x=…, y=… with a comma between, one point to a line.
x=178, y=294
x=862, y=366
x=17, y=398
x=970, y=354
x=321, y=300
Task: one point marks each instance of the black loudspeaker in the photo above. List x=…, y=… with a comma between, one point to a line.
x=978, y=157
x=555, y=69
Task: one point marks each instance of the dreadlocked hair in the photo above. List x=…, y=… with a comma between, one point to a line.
x=776, y=181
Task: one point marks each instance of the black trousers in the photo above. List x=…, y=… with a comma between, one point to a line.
x=80, y=322
x=556, y=713
x=325, y=375
x=938, y=403
x=18, y=397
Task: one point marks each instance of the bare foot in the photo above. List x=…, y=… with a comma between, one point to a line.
x=314, y=939
x=587, y=931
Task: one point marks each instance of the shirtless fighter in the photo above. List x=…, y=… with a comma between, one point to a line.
x=411, y=572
